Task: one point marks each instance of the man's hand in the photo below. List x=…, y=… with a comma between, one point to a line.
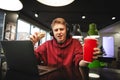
x=96, y=54
x=37, y=36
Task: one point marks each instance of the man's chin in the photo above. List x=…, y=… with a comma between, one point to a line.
x=60, y=42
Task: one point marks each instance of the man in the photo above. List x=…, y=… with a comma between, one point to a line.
x=62, y=50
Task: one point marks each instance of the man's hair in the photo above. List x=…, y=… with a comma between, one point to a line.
x=60, y=21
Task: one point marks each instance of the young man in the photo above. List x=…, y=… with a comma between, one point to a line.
x=62, y=50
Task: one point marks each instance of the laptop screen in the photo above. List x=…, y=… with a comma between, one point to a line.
x=20, y=56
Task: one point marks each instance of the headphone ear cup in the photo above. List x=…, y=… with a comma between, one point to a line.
x=68, y=29
x=51, y=33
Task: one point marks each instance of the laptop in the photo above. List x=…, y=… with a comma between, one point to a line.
x=20, y=57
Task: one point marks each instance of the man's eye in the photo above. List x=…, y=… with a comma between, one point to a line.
x=61, y=29
x=56, y=30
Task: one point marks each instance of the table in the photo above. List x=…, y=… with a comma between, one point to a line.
x=106, y=73
x=66, y=73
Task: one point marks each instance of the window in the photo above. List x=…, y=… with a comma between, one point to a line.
x=34, y=29
x=23, y=30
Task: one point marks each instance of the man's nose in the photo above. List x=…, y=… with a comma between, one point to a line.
x=59, y=31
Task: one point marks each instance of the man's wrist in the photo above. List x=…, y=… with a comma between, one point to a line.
x=83, y=63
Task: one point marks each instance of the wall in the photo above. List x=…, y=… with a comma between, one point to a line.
x=114, y=31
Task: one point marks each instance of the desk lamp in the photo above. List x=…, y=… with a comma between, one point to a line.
x=76, y=32
x=93, y=32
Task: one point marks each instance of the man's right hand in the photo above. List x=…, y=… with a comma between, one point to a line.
x=37, y=36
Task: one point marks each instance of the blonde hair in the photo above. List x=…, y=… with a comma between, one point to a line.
x=58, y=21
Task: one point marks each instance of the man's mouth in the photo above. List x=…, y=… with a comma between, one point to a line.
x=59, y=35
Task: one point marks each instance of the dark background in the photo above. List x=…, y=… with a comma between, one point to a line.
x=97, y=11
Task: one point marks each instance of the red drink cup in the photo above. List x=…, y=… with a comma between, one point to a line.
x=88, y=49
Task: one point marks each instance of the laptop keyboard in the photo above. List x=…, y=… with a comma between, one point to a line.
x=45, y=69
x=42, y=70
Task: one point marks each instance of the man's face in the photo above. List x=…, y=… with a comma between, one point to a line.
x=59, y=31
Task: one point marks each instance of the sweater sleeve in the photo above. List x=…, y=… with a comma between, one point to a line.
x=41, y=54
x=78, y=53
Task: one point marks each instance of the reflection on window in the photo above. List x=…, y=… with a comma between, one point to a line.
x=48, y=36
x=34, y=29
x=44, y=38
x=23, y=30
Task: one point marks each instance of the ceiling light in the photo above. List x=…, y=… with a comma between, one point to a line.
x=83, y=17
x=11, y=5
x=113, y=18
x=36, y=15
x=56, y=3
